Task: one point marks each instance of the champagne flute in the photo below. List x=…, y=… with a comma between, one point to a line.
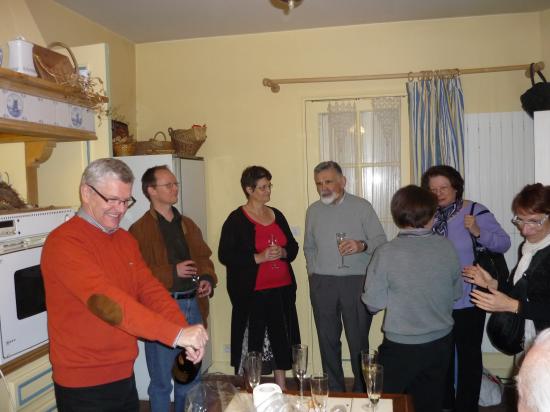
x=253, y=368
x=340, y=237
x=373, y=380
x=273, y=242
x=319, y=391
x=299, y=365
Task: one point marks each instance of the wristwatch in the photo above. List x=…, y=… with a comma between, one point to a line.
x=364, y=244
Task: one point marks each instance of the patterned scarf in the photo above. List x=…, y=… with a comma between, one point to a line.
x=443, y=214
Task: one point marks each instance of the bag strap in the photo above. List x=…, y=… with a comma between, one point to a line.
x=532, y=74
x=472, y=237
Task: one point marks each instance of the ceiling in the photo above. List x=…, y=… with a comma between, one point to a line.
x=144, y=21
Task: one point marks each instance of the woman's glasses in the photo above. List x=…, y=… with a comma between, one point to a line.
x=534, y=223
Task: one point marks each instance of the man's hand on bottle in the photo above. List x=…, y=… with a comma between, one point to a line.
x=193, y=339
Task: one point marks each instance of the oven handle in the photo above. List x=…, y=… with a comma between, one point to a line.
x=12, y=247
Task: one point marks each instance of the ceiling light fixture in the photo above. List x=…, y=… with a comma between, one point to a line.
x=292, y=3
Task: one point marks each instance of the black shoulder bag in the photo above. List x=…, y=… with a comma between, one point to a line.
x=506, y=330
x=538, y=96
x=492, y=262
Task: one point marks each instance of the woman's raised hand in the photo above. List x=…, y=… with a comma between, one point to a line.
x=471, y=225
x=479, y=277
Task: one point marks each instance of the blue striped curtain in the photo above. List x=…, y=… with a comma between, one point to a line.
x=436, y=116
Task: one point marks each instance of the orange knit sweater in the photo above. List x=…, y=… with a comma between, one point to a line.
x=100, y=296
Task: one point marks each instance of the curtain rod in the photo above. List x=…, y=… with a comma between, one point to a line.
x=274, y=84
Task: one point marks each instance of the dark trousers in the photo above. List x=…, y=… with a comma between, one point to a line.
x=336, y=300
x=119, y=396
x=467, y=337
x=418, y=370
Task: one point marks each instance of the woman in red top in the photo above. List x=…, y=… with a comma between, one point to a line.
x=257, y=246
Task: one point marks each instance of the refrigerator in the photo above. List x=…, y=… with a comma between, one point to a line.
x=191, y=202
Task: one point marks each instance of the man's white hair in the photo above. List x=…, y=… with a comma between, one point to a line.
x=533, y=380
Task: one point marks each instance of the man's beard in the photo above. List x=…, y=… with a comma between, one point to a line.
x=329, y=198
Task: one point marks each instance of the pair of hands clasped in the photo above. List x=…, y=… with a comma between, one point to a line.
x=492, y=301
x=188, y=269
x=270, y=254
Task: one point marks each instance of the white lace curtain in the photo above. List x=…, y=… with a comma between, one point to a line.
x=363, y=136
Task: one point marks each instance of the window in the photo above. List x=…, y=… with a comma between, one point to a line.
x=364, y=136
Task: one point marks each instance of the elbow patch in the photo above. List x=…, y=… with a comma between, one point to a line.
x=106, y=309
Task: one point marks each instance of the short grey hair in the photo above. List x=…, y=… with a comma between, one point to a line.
x=107, y=168
x=329, y=164
x=533, y=380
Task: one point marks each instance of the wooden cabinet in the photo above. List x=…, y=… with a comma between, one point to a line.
x=30, y=388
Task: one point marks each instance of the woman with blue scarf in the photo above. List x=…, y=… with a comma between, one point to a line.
x=455, y=221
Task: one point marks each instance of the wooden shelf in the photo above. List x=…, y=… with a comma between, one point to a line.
x=35, y=86
x=40, y=138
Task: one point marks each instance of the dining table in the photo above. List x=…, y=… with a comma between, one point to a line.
x=344, y=402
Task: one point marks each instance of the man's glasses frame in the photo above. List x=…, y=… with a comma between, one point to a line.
x=128, y=203
x=168, y=185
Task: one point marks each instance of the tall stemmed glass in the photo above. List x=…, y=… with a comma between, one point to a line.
x=273, y=242
x=299, y=365
x=253, y=368
x=319, y=391
x=373, y=380
x=340, y=237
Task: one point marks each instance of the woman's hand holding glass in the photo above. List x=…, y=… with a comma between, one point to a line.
x=270, y=253
x=478, y=276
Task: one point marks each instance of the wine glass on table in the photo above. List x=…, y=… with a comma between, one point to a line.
x=299, y=365
x=253, y=368
x=319, y=391
x=374, y=378
x=272, y=241
x=340, y=237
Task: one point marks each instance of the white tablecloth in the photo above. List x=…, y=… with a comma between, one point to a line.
x=334, y=404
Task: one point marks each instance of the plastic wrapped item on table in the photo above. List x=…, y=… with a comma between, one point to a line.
x=216, y=396
x=281, y=403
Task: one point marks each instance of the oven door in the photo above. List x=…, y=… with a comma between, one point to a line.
x=23, y=319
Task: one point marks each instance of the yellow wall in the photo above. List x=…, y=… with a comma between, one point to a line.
x=76, y=30
x=218, y=81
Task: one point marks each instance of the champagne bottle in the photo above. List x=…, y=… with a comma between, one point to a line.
x=184, y=371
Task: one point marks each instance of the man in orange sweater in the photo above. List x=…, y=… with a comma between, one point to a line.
x=101, y=296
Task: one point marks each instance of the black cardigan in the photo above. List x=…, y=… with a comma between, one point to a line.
x=537, y=304
x=236, y=251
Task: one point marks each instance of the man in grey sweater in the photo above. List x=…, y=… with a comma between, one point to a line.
x=335, y=288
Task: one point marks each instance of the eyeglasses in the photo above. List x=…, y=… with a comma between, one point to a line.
x=530, y=222
x=264, y=188
x=128, y=203
x=170, y=185
x=443, y=189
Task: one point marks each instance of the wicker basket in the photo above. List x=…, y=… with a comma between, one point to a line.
x=124, y=149
x=187, y=142
x=155, y=146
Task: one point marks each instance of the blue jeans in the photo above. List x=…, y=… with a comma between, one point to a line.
x=160, y=359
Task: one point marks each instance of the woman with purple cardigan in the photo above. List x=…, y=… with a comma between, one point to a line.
x=455, y=220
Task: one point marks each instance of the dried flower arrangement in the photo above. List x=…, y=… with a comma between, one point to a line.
x=9, y=198
x=93, y=90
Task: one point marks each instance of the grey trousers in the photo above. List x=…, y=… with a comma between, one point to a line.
x=337, y=299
